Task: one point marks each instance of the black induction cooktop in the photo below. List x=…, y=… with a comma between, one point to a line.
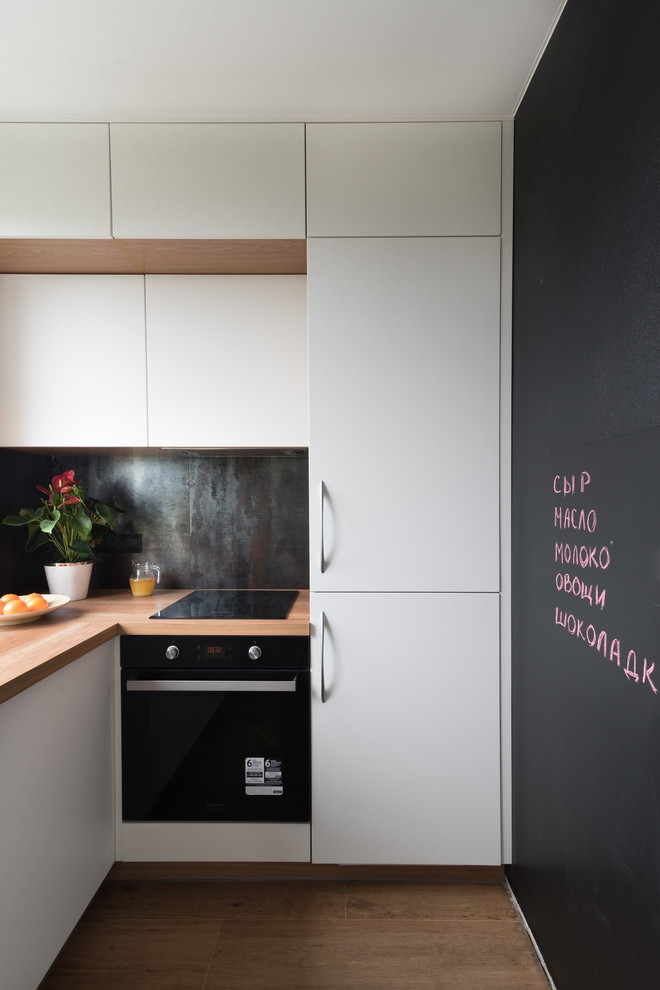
x=221, y=603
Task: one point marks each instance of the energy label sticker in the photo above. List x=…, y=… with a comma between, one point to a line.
x=263, y=777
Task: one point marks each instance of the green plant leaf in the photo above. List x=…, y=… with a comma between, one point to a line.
x=82, y=548
x=81, y=524
x=104, y=511
x=38, y=539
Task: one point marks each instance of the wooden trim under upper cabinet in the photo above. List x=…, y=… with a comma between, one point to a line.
x=54, y=256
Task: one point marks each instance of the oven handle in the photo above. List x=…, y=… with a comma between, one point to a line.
x=219, y=687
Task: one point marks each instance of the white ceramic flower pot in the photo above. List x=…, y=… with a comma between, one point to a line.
x=69, y=579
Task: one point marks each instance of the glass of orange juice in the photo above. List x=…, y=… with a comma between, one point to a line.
x=143, y=578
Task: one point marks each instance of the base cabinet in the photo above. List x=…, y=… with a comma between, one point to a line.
x=405, y=729
x=56, y=812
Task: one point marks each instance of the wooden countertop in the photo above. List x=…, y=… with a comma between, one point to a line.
x=33, y=650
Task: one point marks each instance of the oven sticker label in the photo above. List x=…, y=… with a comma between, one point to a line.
x=263, y=777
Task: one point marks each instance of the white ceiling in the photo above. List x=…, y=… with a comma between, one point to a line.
x=268, y=59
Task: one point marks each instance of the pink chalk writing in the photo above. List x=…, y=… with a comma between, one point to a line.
x=577, y=587
x=567, y=485
x=581, y=556
x=586, y=556
x=576, y=519
x=599, y=640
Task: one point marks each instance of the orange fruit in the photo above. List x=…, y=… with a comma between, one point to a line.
x=8, y=598
x=2, y=607
x=15, y=606
x=35, y=603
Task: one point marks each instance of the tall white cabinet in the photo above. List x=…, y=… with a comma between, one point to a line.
x=404, y=387
x=404, y=311
x=406, y=757
x=404, y=180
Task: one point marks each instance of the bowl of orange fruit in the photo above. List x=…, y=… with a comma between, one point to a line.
x=28, y=608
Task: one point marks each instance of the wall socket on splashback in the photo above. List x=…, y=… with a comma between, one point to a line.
x=121, y=543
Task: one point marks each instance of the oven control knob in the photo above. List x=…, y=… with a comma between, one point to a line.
x=254, y=652
x=172, y=652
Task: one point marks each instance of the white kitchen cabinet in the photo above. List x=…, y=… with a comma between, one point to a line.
x=404, y=179
x=54, y=180
x=404, y=302
x=208, y=180
x=56, y=813
x=73, y=366
x=404, y=414
x=405, y=747
x=227, y=360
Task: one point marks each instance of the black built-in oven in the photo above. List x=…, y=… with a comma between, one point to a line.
x=215, y=728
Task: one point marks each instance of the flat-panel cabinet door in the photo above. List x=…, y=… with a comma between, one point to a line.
x=208, y=180
x=227, y=359
x=73, y=366
x=54, y=180
x=405, y=746
x=57, y=813
x=404, y=414
x=405, y=179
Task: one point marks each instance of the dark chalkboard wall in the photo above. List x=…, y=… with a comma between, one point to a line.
x=586, y=557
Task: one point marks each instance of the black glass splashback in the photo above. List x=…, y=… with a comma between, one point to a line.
x=220, y=603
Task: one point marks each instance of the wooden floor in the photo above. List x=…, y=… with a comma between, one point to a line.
x=208, y=935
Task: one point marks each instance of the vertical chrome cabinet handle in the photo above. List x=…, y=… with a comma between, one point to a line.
x=322, y=541
x=324, y=694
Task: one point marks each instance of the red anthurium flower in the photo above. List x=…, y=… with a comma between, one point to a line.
x=62, y=482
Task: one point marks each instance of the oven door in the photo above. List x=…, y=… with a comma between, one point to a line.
x=215, y=746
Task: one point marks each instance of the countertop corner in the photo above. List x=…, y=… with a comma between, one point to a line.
x=31, y=651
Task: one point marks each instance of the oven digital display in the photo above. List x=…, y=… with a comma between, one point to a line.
x=213, y=651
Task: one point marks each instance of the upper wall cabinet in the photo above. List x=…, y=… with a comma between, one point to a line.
x=73, y=366
x=208, y=180
x=227, y=359
x=409, y=179
x=54, y=180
